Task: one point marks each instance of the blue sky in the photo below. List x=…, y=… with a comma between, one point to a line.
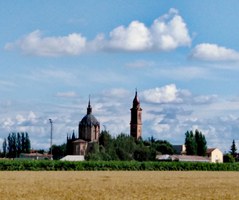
x=182, y=56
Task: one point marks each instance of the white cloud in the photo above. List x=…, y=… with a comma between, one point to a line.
x=170, y=31
x=166, y=33
x=136, y=37
x=34, y=43
x=165, y=94
x=213, y=52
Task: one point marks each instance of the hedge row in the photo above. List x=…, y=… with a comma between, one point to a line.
x=34, y=165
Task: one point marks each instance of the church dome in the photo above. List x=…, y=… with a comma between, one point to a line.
x=89, y=120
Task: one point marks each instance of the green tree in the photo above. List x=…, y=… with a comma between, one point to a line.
x=105, y=139
x=19, y=144
x=16, y=144
x=228, y=158
x=163, y=146
x=27, y=143
x=201, y=143
x=233, y=151
x=58, y=151
x=190, y=143
x=196, y=144
x=4, y=147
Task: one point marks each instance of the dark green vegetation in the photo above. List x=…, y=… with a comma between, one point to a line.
x=47, y=165
x=15, y=144
x=195, y=143
x=126, y=148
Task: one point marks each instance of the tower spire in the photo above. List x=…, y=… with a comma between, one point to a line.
x=136, y=99
x=89, y=108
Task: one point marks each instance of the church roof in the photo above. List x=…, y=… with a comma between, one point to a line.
x=89, y=119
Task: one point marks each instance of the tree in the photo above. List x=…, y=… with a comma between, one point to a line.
x=233, y=151
x=19, y=144
x=105, y=139
x=58, y=151
x=15, y=144
x=190, y=143
x=228, y=158
x=201, y=143
x=4, y=147
x=196, y=144
x=27, y=143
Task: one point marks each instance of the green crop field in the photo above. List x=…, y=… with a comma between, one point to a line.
x=119, y=185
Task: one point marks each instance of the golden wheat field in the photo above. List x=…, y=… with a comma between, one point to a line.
x=119, y=185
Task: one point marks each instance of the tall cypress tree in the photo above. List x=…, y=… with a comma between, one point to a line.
x=233, y=149
x=190, y=143
x=196, y=144
x=19, y=144
x=28, y=143
x=4, y=147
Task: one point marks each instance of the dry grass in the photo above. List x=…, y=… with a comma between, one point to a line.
x=119, y=185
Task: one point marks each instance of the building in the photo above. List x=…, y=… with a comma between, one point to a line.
x=35, y=156
x=88, y=134
x=215, y=155
x=136, y=118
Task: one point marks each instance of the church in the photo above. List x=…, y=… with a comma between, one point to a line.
x=89, y=129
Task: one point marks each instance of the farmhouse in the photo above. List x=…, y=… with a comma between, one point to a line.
x=215, y=155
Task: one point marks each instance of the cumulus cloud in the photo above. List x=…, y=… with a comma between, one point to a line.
x=165, y=94
x=166, y=33
x=135, y=37
x=213, y=52
x=170, y=31
x=34, y=43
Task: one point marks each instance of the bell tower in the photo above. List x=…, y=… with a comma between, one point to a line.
x=136, y=118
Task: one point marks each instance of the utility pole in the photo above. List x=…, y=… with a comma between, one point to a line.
x=51, y=122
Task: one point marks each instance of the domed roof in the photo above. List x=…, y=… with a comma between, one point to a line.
x=89, y=120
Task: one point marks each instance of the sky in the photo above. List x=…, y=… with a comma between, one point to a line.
x=181, y=55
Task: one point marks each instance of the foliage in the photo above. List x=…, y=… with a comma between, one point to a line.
x=58, y=151
x=48, y=165
x=233, y=151
x=196, y=144
x=228, y=158
x=126, y=148
x=15, y=144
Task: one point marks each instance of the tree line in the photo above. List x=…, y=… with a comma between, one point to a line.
x=126, y=148
x=15, y=144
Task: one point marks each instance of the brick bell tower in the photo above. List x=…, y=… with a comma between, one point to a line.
x=136, y=118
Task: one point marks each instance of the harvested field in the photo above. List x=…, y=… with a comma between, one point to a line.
x=118, y=185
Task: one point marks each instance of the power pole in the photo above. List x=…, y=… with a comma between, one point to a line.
x=51, y=122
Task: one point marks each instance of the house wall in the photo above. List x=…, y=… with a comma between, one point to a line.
x=216, y=156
